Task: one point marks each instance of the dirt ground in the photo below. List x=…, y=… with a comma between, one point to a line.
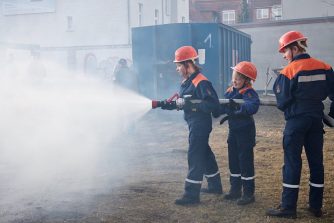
x=157, y=151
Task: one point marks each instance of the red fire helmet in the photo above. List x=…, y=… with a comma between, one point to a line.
x=185, y=53
x=246, y=68
x=288, y=38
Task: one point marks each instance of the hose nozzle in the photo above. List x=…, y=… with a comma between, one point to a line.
x=165, y=105
x=168, y=104
x=156, y=104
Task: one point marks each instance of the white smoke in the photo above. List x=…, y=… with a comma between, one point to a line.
x=56, y=130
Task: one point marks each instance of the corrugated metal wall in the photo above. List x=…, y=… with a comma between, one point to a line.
x=153, y=50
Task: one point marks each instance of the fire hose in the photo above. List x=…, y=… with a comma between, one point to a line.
x=170, y=104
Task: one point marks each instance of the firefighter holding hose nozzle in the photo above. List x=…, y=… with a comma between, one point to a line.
x=201, y=160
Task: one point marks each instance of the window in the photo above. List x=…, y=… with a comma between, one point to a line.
x=156, y=17
x=18, y=7
x=69, y=23
x=140, y=14
x=228, y=17
x=167, y=6
x=90, y=64
x=262, y=13
x=276, y=12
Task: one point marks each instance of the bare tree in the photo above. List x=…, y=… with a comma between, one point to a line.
x=244, y=14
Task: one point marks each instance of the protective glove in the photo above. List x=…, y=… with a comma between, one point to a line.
x=232, y=107
x=328, y=120
x=222, y=108
x=218, y=111
x=189, y=106
x=180, y=102
x=230, y=111
x=165, y=105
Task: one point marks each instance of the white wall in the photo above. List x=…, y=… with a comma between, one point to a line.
x=297, y=9
x=182, y=10
x=265, y=46
x=94, y=23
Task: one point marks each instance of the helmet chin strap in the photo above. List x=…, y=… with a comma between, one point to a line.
x=187, y=73
x=292, y=56
x=289, y=48
x=189, y=69
x=301, y=45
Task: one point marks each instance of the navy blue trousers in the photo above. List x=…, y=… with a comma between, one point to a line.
x=201, y=161
x=308, y=132
x=241, y=159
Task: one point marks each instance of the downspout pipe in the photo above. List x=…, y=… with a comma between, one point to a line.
x=129, y=22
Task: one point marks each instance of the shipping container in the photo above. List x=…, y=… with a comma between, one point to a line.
x=219, y=46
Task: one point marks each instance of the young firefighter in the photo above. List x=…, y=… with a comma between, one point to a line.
x=201, y=160
x=300, y=89
x=241, y=137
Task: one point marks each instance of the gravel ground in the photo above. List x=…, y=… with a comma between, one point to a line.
x=141, y=183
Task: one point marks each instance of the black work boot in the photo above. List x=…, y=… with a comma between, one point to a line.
x=186, y=200
x=232, y=195
x=246, y=199
x=214, y=185
x=282, y=213
x=316, y=212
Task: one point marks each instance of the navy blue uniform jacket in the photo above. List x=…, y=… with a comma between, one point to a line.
x=200, y=88
x=244, y=116
x=302, y=86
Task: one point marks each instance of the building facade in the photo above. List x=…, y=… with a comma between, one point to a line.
x=235, y=11
x=267, y=21
x=90, y=35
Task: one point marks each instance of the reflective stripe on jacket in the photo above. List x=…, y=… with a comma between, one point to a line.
x=200, y=88
x=302, y=86
x=244, y=116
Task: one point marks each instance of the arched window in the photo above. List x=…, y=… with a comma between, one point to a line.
x=90, y=64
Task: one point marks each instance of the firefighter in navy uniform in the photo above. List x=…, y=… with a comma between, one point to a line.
x=201, y=160
x=300, y=89
x=242, y=132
